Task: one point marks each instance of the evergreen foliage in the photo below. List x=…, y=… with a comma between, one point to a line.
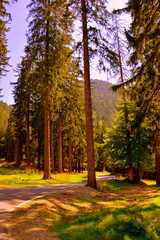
x=116, y=147
x=4, y=116
x=144, y=39
x=4, y=19
x=5, y=111
x=46, y=126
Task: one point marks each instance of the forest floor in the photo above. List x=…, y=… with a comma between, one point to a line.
x=116, y=211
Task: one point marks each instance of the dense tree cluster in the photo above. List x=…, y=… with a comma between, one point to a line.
x=51, y=124
x=141, y=112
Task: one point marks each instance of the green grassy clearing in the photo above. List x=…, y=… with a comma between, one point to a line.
x=10, y=176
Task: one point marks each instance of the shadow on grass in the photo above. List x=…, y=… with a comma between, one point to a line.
x=86, y=214
x=9, y=169
x=111, y=224
x=113, y=186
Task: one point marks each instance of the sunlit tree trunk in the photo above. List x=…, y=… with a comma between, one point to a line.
x=47, y=170
x=157, y=155
x=88, y=105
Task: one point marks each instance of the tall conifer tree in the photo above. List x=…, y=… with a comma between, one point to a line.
x=88, y=103
x=4, y=19
x=48, y=37
x=144, y=39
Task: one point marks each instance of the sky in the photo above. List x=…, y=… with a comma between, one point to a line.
x=17, y=41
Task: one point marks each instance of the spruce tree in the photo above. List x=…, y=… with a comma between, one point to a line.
x=5, y=18
x=48, y=37
x=143, y=37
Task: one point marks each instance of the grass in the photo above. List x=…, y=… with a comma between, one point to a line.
x=149, y=182
x=125, y=212
x=116, y=219
x=112, y=186
x=10, y=176
x=113, y=223
x=117, y=211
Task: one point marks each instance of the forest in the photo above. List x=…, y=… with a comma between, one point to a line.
x=64, y=121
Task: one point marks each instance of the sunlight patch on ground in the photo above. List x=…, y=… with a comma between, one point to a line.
x=149, y=182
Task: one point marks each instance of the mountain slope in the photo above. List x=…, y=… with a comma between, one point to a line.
x=103, y=100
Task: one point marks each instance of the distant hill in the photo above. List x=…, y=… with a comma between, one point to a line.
x=4, y=115
x=104, y=100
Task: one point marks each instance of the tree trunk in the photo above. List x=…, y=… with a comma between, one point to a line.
x=10, y=153
x=18, y=151
x=10, y=145
x=52, y=150
x=70, y=146
x=47, y=170
x=39, y=151
x=128, y=134
x=157, y=155
x=131, y=175
x=79, y=161
x=70, y=155
x=88, y=104
x=60, y=145
x=28, y=137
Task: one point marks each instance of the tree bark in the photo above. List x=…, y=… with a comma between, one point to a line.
x=39, y=151
x=10, y=146
x=52, y=150
x=157, y=155
x=28, y=136
x=18, y=151
x=88, y=104
x=131, y=175
x=47, y=170
x=60, y=145
x=70, y=155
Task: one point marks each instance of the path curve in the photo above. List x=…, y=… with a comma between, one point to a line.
x=11, y=198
